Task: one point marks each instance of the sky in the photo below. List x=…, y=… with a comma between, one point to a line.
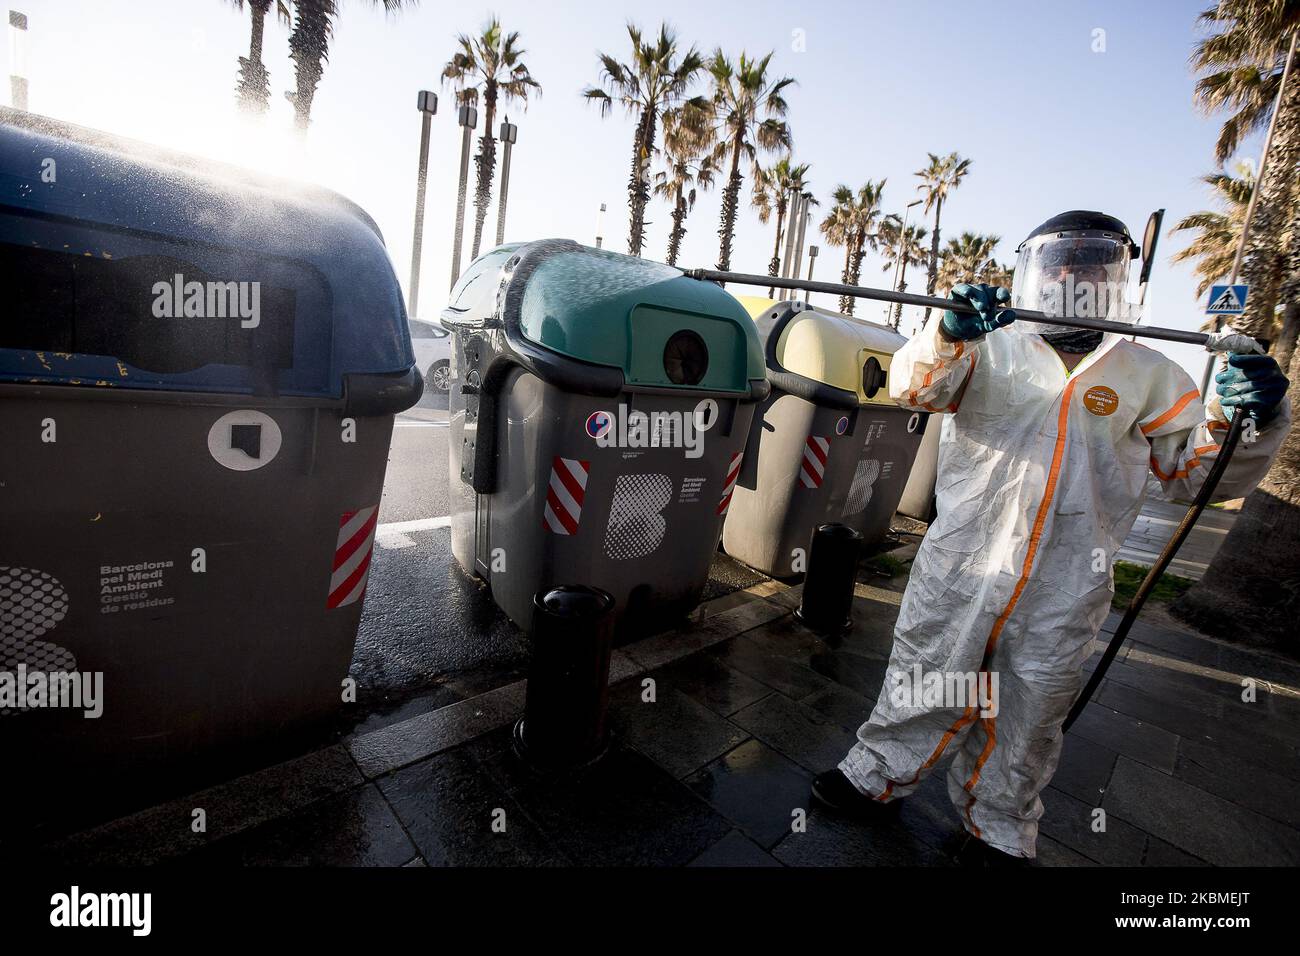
x=1057, y=105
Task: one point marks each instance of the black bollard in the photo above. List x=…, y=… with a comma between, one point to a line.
x=827, y=605
x=568, y=678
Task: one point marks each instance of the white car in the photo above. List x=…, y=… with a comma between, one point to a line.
x=432, y=345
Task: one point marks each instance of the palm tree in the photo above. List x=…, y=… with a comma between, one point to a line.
x=749, y=114
x=653, y=83
x=1241, y=64
x=941, y=176
x=488, y=65
x=968, y=258
x=1240, y=596
x=1214, y=247
x=772, y=187
x=687, y=168
x=898, y=252
x=1216, y=233
x=853, y=223
x=253, y=91
x=313, y=26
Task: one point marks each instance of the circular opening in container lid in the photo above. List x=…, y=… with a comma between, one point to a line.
x=686, y=358
x=873, y=377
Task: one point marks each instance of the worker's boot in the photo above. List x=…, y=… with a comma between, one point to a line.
x=836, y=792
x=977, y=854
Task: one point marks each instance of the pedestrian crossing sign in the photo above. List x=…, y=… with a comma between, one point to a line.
x=1227, y=300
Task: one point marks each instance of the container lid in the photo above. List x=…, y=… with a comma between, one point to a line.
x=836, y=350
x=644, y=318
x=133, y=267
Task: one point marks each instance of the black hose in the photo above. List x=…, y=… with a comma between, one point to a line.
x=1149, y=582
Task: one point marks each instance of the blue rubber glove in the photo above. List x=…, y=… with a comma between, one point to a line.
x=986, y=298
x=1253, y=382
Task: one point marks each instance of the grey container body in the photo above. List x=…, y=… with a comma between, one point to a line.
x=647, y=522
x=775, y=509
x=234, y=627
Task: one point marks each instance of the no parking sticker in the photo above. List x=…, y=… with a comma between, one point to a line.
x=599, y=424
x=842, y=425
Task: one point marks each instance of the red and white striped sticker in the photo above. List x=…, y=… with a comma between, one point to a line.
x=729, y=485
x=815, y=451
x=564, y=495
x=352, y=557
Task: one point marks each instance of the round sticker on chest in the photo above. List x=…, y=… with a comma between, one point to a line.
x=1101, y=400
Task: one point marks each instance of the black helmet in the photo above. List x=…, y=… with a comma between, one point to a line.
x=1085, y=222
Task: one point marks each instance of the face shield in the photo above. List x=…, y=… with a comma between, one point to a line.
x=1073, y=275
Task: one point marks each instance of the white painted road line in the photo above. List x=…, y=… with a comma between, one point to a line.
x=393, y=534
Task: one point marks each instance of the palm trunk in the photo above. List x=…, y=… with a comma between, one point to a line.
x=730, y=203
x=855, y=271
x=898, y=307
x=253, y=92
x=638, y=183
x=774, y=266
x=1264, y=267
x=486, y=163
x=1241, y=597
x=678, y=231
x=933, y=274
x=308, y=45
x=845, y=302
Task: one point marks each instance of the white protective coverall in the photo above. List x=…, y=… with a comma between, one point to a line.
x=1041, y=475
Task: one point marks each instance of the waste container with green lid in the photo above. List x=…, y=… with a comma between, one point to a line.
x=828, y=444
x=599, y=408
x=199, y=370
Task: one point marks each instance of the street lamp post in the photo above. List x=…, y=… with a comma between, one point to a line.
x=805, y=209
x=427, y=104
x=18, y=59
x=791, y=219
x=468, y=119
x=812, y=261
x=600, y=224
x=509, y=133
x=900, y=262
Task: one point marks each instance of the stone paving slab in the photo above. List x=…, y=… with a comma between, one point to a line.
x=356, y=828
x=1216, y=830
x=167, y=830
x=757, y=788
x=674, y=730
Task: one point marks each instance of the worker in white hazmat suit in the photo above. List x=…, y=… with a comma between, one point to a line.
x=1048, y=438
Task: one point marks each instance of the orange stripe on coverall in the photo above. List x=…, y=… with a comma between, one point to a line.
x=1035, y=537
x=1187, y=469
x=1179, y=405
x=966, y=717
x=929, y=378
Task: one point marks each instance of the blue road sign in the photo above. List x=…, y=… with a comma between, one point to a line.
x=1227, y=299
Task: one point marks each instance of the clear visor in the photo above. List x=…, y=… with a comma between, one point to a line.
x=1079, y=277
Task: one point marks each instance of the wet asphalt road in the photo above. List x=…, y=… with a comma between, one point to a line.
x=430, y=634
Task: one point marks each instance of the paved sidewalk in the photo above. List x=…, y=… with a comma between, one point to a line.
x=1155, y=526
x=748, y=705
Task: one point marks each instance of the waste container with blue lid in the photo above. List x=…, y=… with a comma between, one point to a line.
x=599, y=408
x=199, y=369
x=828, y=445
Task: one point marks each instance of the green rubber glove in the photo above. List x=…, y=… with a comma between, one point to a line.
x=987, y=299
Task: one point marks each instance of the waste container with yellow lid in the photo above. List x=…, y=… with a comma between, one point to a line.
x=828, y=444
